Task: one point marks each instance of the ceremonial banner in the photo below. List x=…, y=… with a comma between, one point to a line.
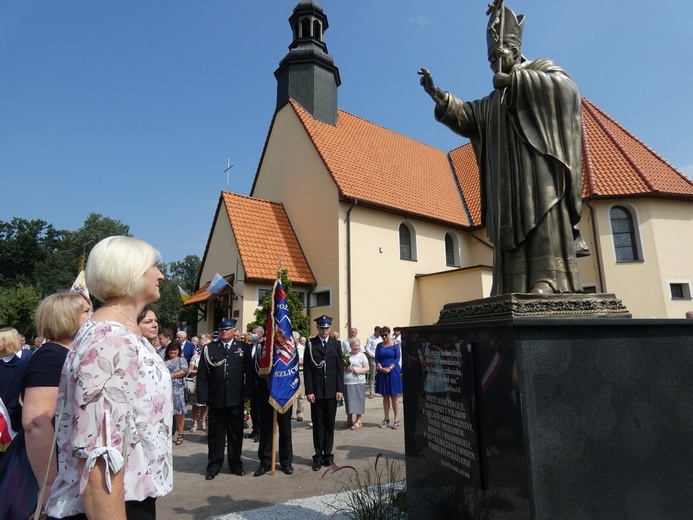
x=283, y=372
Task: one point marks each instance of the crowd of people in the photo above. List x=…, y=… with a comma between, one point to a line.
x=99, y=407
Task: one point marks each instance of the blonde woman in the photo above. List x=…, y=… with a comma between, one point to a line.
x=114, y=437
x=12, y=366
x=58, y=318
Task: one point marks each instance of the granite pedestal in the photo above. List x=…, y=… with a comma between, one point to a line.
x=549, y=419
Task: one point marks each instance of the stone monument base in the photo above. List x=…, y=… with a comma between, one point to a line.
x=522, y=305
x=548, y=418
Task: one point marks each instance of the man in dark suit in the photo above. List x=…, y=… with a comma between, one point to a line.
x=323, y=373
x=187, y=349
x=266, y=417
x=222, y=384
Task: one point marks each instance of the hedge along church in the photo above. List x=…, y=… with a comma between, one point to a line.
x=377, y=228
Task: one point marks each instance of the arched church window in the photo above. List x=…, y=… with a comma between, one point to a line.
x=623, y=232
x=407, y=241
x=449, y=250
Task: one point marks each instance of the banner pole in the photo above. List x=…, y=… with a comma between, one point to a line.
x=274, y=440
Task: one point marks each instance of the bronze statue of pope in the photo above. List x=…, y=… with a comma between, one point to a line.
x=527, y=138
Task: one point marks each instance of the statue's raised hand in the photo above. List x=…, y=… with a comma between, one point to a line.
x=427, y=81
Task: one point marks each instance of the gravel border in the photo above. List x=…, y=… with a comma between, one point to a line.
x=312, y=508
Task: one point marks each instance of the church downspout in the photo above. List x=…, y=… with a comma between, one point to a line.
x=597, y=251
x=348, y=262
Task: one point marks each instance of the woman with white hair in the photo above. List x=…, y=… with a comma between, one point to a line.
x=355, y=385
x=114, y=436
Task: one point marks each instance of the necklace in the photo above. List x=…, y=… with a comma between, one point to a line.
x=121, y=313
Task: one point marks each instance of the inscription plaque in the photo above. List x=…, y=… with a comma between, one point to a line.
x=460, y=413
x=450, y=434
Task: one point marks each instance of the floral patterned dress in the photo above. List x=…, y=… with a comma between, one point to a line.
x=176, y=365
x=116, y=393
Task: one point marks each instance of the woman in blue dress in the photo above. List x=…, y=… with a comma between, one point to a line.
x=388, y=380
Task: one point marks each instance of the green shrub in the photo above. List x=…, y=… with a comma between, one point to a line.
x=378, y=493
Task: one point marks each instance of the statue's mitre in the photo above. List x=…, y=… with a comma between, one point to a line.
x=512, y=28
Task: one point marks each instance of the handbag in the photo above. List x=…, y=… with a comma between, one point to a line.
x=190, y=387
x=187, y=391
x=18, y=486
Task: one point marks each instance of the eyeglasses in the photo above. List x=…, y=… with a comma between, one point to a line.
x=384, y=333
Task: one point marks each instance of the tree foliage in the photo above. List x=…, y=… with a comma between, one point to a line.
x=170, y=307
x=299, y=321
x=36, y=260
x=17, y=307
x=24, y=244
x=63, y=265
x=33, y=252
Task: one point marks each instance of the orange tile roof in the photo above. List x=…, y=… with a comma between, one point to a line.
x=616, y=163
x=200, y=296
x=385, y=169
x=463, y=161
x=264, y=234
x=381, y=167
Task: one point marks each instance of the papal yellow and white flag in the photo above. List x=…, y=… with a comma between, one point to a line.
x=80, y=285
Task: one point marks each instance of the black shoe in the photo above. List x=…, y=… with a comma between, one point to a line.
x=210, y=476
x=328, y=462
x=288, y=469
x=260, y=471
x=316, y=465
x=256, y=439
x=238, y=472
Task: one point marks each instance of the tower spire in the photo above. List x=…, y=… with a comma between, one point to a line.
x=307, y=74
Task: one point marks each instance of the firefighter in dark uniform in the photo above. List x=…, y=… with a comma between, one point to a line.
x=222, y=384
x=323, y=373
x=266, y=414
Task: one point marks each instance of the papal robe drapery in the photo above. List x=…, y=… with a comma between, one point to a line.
x=529, y=158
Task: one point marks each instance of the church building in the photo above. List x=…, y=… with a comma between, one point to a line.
x=375, y=228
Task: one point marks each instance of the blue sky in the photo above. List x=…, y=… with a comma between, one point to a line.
x=130, y=108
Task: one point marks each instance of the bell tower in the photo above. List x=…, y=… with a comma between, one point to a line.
x=307, y=74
